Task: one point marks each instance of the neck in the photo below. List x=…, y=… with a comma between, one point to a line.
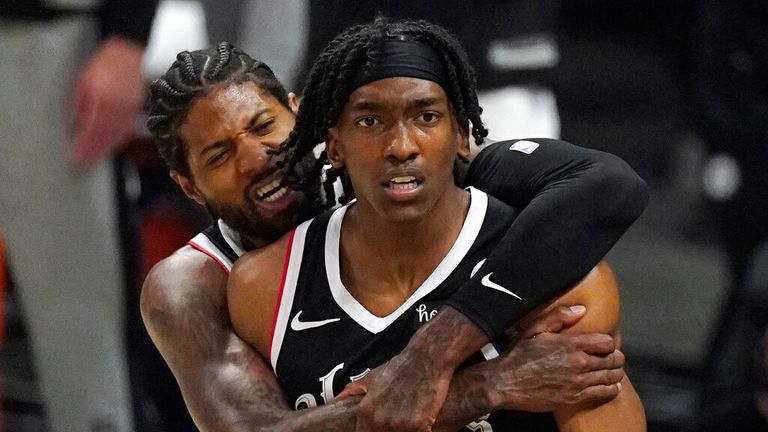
x=250, y=243
x=387, y=261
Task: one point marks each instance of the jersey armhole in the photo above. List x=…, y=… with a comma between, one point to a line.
x=286, y=265
x=211, y=255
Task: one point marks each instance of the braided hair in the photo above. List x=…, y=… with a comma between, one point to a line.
x=333, y=78
x=194, y=74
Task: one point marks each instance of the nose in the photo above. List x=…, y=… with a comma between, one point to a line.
x=402, y=145
x=252, y=156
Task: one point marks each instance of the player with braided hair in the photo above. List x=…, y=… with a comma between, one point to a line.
x=192, y=74
x=226, y=135
x=192, y=77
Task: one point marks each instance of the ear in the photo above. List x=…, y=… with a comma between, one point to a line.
x=463, y=137
x=293, y=103
x=188, y=186
x=333, y=148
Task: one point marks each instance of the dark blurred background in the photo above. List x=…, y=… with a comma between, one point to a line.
x=679, y=89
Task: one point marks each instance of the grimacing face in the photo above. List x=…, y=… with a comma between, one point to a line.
x=398, y=139
x=227, y=133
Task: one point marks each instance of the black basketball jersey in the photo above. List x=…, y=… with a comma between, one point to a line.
x=323, y=338
x=219, y=242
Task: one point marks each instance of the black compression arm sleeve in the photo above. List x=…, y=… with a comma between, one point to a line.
x=576, y=203
x=131, y=19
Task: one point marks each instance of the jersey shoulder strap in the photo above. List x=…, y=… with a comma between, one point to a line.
x=211, y=242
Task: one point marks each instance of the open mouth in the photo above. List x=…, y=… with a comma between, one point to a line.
x=272, y=191
x=403, y=183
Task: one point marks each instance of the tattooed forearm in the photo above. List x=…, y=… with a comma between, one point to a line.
x=448, y=338
x=467, y=400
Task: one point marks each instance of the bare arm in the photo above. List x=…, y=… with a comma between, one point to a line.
x=226, y=385
x=599, y=292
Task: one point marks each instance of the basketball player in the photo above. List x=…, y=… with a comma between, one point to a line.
x=365, y=54
x=216, y=112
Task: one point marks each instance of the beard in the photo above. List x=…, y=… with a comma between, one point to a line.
x=258, y=230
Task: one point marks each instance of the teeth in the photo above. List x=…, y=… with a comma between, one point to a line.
x=268, y=188
x=277, y=195
x=403, y=179
x=404, y=186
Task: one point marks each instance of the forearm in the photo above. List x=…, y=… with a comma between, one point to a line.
x=467, y=400
x=335, y=417
x=581, y=202
x=239, y=393
x=447, y=340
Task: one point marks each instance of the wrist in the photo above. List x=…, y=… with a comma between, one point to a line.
x=448, y=339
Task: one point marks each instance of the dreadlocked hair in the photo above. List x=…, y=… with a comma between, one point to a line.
x=194, y=74
x=333, y=77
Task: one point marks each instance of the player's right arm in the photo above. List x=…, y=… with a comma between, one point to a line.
x=226, y=384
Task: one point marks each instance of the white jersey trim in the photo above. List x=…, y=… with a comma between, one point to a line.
x=356, y=311
x=202, y=243
x=231, y=237
x=288, y=292
x=206, y=246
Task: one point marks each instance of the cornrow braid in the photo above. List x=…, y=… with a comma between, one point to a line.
x=333, y=77
x=194, y=74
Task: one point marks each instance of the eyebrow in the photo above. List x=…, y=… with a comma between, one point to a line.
x=366, y=105
x=424, y=102
x=221, y=143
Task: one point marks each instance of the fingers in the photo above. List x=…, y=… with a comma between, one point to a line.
x=602, y=378
x=553, y=321
x=595, y=343
x=613, y=360
x=352, y=389
x=598, y=394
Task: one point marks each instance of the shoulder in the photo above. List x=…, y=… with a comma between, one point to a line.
x=521, y=146
x=187, y=280
x=253, y=290
x=599, y=292
x=260, y=265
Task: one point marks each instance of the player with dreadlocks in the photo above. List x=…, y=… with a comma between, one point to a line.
x=217, y=115
x=394, y=103
x=334, y=75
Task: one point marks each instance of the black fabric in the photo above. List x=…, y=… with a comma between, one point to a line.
x=576, y=204
x=477, y=24
x=405, y=58
x=131, y=19
x=214, y=235
x=315, y=364
x=35, y=10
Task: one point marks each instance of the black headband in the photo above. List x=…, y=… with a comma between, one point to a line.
x=405, y=58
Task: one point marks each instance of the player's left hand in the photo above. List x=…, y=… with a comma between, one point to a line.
x=405, y=394
x=109, y=95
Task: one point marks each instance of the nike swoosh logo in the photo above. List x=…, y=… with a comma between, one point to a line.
x=490, y=284
x=297, y=325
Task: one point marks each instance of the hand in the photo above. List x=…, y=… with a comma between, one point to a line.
x=404, y=394
x=552, y=321
x=108, y=99
x=553, y=371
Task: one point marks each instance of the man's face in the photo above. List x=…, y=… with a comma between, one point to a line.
x=398, y=139
x=227, y=134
